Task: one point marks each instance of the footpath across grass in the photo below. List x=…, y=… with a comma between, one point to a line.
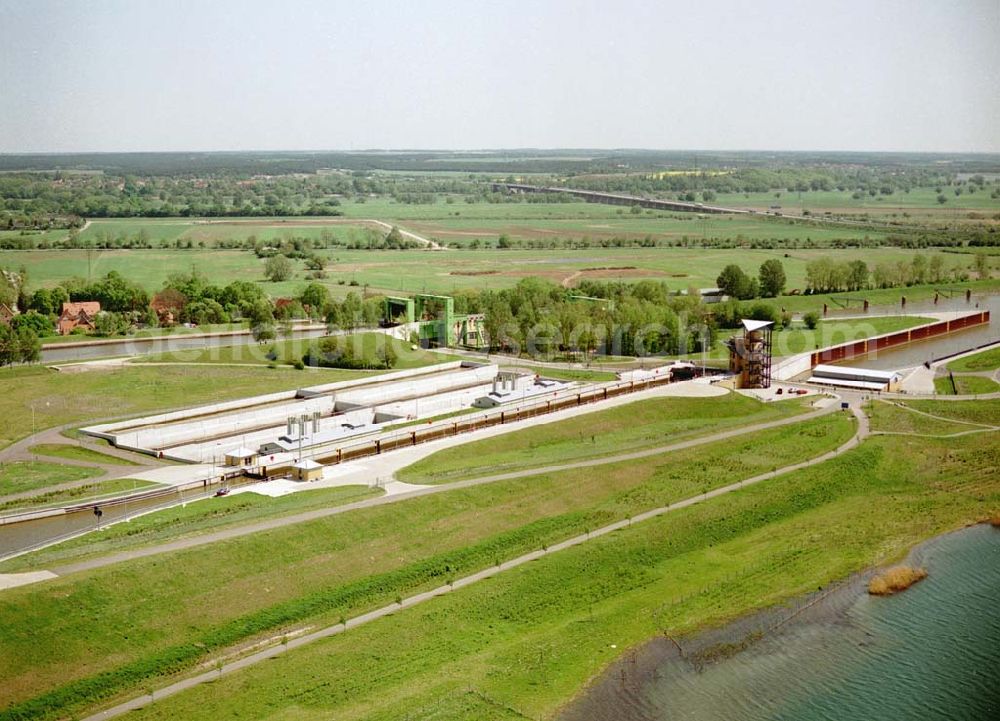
x=524, y=643
x=891, y=418
x=171, y=611
x=630, y=427
x=986, y=412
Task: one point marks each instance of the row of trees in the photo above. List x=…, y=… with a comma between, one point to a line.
x=18, y=345
x=826, y=275
x=542, y=318
x=769, y=283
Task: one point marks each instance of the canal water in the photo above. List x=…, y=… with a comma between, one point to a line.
x=929, y=653
x=18, y=537
x=914, y=354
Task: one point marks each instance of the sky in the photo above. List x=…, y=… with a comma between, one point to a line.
x=173, y=75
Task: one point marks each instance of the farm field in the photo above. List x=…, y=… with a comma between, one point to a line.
x=256, y=586
x=920, y=203
x=60, y=398
x=529, y=639
x=452, y=270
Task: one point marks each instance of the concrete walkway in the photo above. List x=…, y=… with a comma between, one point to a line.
x=337, y=629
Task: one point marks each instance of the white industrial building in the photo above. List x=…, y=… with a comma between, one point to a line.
x=282, y=426
x=861, y=378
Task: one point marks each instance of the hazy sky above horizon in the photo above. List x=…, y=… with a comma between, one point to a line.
x=134, y=75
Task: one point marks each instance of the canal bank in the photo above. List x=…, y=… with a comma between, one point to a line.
x=931, y=652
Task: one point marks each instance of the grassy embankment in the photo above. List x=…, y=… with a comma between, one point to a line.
x=982, y=412
x=522, y=644
x=965, y=385
x=365, y=345
x=78, y=453
x=630, y=427
x=885, y=417
x=64, y=398
x=171, y=611
x=22, y=476
x=987, y=360
x=87, y=492
x=192, y=519
x=147, y=333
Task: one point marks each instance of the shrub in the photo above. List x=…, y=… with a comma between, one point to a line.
x=895, y=580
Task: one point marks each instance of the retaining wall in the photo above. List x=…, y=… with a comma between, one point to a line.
x=804, y=362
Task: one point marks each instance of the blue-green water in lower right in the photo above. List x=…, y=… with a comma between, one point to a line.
x=931, y=652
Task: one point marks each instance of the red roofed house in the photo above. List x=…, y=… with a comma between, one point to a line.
x=78, y=315
x=6, y=314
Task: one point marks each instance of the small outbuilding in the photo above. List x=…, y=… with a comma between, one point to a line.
x=307, y=470
x=242, y=457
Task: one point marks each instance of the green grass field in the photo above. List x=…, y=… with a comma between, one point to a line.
x=980, y=411
x=630, y=427
x=988, y=360
x=21, y=476
x=564, y=374
x=922, y=200
x=449, y=271
x=60, y=398
x=365, y=345
x=147, y=333
x=521, y=645
x=526, y=641
x=78, y=453
x=892, y=418
x=965, y=385
x=309, y=573
x=87, y=492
